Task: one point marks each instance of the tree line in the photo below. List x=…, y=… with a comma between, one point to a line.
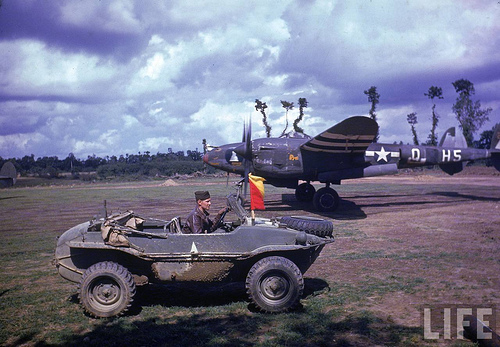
x=135, y=165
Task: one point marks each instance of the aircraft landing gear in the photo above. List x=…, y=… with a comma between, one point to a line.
x=326, y=200
x=305, y=192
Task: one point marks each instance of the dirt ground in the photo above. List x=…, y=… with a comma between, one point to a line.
x=404, y=243
x=435, y=236
x=442, y=233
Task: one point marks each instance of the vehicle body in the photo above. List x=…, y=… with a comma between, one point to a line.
x=344, y=151
x=109, y=257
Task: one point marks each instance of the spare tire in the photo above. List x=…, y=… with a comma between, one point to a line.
x=310, y=225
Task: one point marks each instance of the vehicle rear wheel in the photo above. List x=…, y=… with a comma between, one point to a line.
x=107, y=289
x=305, y=192
x=310, y=225
x=274, y=284
x=326, y=200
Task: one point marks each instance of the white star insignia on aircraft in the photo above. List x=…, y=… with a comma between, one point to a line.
x=382, y=155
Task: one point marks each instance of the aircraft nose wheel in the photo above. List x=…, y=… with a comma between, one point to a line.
x=326, y=200
x=305, y=192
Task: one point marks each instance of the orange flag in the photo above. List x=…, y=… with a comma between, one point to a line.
x=256, y=192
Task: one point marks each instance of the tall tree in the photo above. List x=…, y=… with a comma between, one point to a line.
x=204, y=144
x=468, y=113
x=485, y=138
x=434, y=92
x=412, y=120
x=373, y=97
x=302, y=105
x=287, y=106
x=261, y=107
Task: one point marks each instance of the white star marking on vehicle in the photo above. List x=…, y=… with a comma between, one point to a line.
x=194, y=249
x=382, y=155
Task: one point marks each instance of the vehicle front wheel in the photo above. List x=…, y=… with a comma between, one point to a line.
x=274, y=284
x=107, y=289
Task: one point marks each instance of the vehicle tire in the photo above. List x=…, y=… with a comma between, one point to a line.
x=274, y=284
x=310, y=225
x=326, y=200
x=305, y=192
x=107, y=289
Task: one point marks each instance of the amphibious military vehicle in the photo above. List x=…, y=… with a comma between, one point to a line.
x=109, y=256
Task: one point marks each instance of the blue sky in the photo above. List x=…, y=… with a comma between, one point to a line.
x=117, y=77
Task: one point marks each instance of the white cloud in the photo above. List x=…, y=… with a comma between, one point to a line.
x=99, y=145
x=156, y=144
x=154, y=67
x=24, y=144
x=112, y=16
x=130, y=121
x=220, y=123
x=196, y=71
x=41, y=70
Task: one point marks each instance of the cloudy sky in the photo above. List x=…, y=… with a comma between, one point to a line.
x=124, y=76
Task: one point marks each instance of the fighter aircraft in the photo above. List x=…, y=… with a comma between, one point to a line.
x=344, y=151
x=8, y=175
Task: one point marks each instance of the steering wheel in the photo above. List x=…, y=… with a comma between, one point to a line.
x=221, y=220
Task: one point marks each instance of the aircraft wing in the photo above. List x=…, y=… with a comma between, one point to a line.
x=352, y=135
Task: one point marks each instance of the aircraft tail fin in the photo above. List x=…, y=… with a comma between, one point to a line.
x=453, y=139
x=495, y=139
x=495, y=147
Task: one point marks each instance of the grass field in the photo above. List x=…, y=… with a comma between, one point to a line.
x=403, y=243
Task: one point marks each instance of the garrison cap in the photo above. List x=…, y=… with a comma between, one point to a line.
x=202, y=195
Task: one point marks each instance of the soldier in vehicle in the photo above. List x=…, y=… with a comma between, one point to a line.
x=198, y=220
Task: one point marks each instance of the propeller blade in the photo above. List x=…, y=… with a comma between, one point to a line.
x=245, y=182
x=247, y=155
x=248, y=142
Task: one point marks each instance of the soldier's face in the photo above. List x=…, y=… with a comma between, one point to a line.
x=205, y=204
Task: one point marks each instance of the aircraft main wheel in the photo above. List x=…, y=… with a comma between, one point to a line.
x=310, y=225
x=305, y=192
x=326, y=200
x=275, y=284
x=107, y=289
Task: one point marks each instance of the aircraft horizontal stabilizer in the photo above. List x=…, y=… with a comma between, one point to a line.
x=352, y=135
